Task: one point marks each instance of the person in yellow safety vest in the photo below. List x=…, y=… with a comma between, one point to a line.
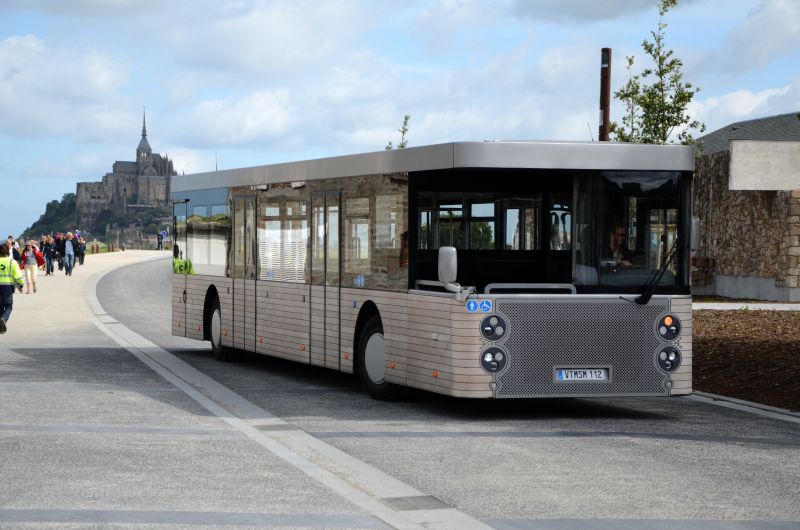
x=10, y=276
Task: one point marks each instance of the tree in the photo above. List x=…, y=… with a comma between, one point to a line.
x=402, y=130
x=656, y=100
x=57, y=216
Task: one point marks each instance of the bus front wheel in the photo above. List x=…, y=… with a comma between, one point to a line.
x=223, y=353
x=372, y=361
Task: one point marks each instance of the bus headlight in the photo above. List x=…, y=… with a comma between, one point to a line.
x=669, y=327
x=494, y=327
x=669, y=359
x=493, y=360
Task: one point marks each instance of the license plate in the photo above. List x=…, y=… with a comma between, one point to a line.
x=581, y=374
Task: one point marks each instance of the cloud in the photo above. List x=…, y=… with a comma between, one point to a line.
x=258, y=117
x=739, y=105
x=45, y=90
x=264, y=40
x=580, y=10
x=83, y=8
x=771, y=30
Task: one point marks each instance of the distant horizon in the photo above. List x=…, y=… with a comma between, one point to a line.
x=255, y=83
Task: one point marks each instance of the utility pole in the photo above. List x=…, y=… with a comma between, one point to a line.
x=605, y=93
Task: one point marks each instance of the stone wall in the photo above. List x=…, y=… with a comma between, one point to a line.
x=753, y=234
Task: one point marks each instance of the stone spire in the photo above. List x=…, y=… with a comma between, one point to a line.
x=144, y=151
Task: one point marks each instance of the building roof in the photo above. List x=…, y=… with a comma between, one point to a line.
x=774, y=128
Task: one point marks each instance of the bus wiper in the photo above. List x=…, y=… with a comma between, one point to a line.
x=650, y=285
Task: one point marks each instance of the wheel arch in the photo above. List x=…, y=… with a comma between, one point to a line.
x=208, y=304
x=368, y=310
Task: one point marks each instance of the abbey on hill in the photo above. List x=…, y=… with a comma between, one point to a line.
x=144, y=183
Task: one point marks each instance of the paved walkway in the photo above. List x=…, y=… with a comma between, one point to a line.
x=59, y=304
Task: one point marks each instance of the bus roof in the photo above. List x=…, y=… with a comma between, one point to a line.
x=489, y=154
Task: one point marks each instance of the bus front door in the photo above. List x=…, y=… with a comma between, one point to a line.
x=180, y=255
x=325, y=279
x=244, y=274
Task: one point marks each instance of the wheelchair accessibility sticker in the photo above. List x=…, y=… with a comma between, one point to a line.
x=483, y=305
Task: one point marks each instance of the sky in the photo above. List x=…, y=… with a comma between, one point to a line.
x=239, y=83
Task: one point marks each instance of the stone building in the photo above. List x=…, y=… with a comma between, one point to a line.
x=747, y=197
x=144, y=183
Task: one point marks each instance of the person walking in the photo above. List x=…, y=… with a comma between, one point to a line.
x=31, y=259
x=59, y=246
x=14, y=251
x=80, y=251
x=10, y=277
x=49, y=252
x=68, y=248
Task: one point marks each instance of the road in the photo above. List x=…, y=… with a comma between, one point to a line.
x=124, y=424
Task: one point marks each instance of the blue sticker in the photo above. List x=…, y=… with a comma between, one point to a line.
x=472, y=306
x=486, y=305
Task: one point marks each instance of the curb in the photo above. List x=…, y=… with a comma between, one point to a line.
x=746, y=406
x=744, y=306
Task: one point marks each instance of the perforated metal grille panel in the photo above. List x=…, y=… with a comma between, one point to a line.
x=545, y=334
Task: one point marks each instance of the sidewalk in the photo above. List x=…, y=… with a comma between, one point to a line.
x=59, y=305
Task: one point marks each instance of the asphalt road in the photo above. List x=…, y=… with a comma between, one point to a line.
x=144, y=428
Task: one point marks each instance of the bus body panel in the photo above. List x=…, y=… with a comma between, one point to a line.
x=434, y=343
x=682, y=378
x=282, y=323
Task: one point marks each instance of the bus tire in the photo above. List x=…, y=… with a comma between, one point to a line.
x=372, y=361
x=223, y=353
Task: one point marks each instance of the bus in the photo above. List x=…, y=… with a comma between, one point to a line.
x=496, y=269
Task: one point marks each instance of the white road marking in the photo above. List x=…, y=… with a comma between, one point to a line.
x=358, y=482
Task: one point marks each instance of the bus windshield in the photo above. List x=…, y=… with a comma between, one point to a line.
x=626, y=225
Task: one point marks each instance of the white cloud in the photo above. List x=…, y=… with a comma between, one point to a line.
x=739, y=105
x=258, y=117
x=770, y=31
x=46, y=90
x=581, y=10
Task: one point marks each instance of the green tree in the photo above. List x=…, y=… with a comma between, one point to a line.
x=656, y=100
x=57, y=216
x=403, y=130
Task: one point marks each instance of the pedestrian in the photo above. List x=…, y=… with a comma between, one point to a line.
x=80, y=252
x=10, y=277
x=68, y=248
x=160, y=239
x=14, y=251
x=59, y=244
x=49, y=252
x=31, y=259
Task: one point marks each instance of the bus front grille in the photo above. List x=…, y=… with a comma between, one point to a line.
x=544, y=335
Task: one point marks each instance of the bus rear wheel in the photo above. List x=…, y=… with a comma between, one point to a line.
x=223, y=353
x=372, y=361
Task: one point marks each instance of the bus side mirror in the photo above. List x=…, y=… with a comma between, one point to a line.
x=695, y=237
x=448, y=264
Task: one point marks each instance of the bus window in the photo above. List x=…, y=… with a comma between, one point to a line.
x=522, y=223
x=628, y=226
x=269, y=240
x=356, y=243
x=481, y=226
x=450, y=226
x=560, y=225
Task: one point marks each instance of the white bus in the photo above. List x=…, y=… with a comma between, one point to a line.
x=472, y=269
